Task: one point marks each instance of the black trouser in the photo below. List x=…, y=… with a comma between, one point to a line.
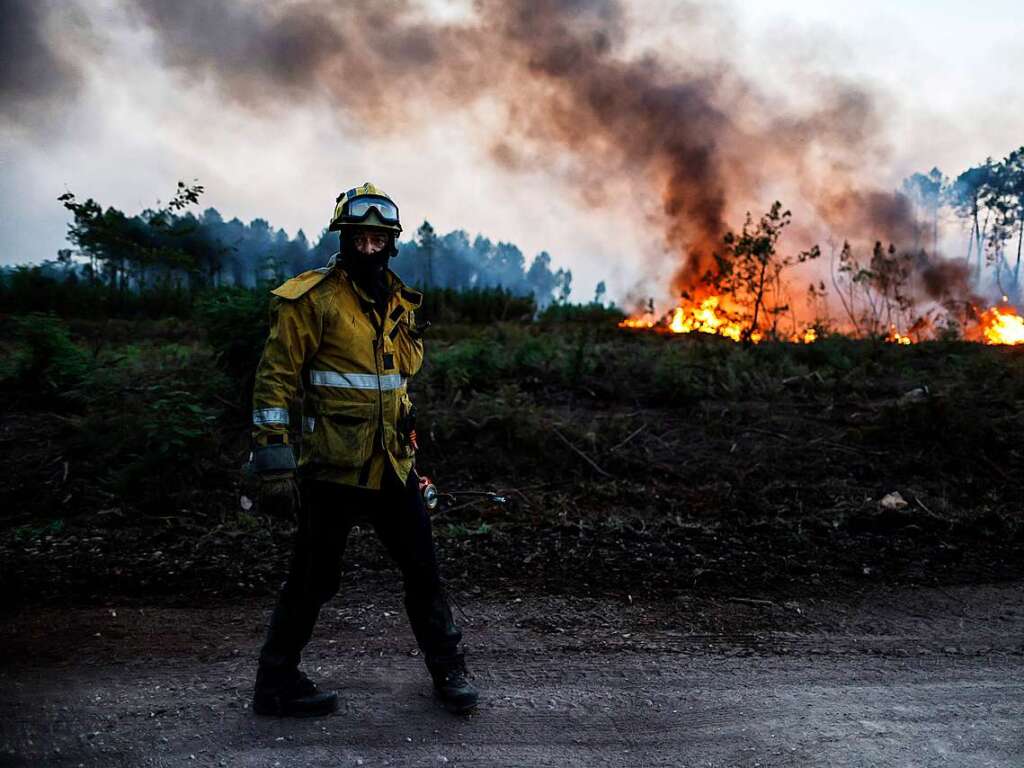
x=327, y=515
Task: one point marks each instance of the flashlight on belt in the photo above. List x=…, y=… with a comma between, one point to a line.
x=427, y=488
x=429, y=492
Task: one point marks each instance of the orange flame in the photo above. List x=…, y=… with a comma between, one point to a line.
x=705, y=317
x=1002, y=326
x=637, y=322
x=996, y=325
x=895, y=337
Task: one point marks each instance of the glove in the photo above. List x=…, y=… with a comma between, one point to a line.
x=274, y=465
x=279, y=495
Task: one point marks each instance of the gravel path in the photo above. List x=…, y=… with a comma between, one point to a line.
x=897, y=677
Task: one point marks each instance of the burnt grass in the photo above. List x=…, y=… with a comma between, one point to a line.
x=628, y=464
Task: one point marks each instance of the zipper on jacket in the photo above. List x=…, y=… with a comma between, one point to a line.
x=377, y=321
x=380, y=392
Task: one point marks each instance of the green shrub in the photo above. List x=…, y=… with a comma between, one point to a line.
x=475, y=305
x=236, y=323
x=674, y=379
x=580, y=360
x=473, y=364
x=535, y=355
x=168, y=439
x=584, y=314
x=152, y=425
x=47, y=362
x=34, y=288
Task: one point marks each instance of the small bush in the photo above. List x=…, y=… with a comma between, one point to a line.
x=152, y=426
x=474, y=364
x=584, y=314
x=236, y=323
x=476, y=305
x=535, y=355
x=28, y=288
x=674, y=380
x=47, y=362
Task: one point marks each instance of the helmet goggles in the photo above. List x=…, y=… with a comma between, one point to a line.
x=357, y=210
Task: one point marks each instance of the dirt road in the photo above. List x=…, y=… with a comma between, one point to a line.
x=909, y=677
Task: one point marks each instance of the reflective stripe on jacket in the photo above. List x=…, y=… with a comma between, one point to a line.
x=352, y=365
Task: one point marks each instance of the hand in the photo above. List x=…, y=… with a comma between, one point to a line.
x=279, y=495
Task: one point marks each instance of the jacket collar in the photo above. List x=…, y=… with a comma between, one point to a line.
x=408, y=297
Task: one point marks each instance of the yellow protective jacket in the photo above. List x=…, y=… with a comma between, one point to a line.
x=352, y=363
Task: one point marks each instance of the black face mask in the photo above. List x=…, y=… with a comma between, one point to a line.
x=368, y=271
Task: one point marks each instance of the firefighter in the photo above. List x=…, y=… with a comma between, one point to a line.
x=346, y=336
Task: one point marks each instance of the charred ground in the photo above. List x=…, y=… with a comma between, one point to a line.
x=632, y=464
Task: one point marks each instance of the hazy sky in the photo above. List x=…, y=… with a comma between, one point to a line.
x=123, y=125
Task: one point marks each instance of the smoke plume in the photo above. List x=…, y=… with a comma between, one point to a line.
x=32, y=71
x=690, y=147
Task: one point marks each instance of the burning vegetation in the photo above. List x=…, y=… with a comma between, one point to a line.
x=720, y=315
x=901, y=296
x=995, y=325
x=1000, y=324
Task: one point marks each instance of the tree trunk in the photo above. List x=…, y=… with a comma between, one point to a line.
x=981, y=241
x=757, y=301
x=1016, y=267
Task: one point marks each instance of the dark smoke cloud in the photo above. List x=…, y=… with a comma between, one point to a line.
x=365, y=57
x=886, y=216
x=33, y=75
x=948, y=280
x=250, y=50
x=698, y=141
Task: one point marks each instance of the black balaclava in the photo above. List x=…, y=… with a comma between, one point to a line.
x=369, y=272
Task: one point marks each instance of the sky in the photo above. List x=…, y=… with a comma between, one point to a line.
x=128, y=120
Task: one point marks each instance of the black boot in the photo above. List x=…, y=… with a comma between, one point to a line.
x=450, y=684
x=296, y=696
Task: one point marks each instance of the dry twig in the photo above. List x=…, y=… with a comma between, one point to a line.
x=582, y=455
x=631, y=435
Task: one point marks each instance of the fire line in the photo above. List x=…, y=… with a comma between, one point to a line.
x=997, y=325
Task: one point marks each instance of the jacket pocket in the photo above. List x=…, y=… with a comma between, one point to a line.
x=343, y=433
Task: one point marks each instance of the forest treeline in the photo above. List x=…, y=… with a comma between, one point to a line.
x=158, y=261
